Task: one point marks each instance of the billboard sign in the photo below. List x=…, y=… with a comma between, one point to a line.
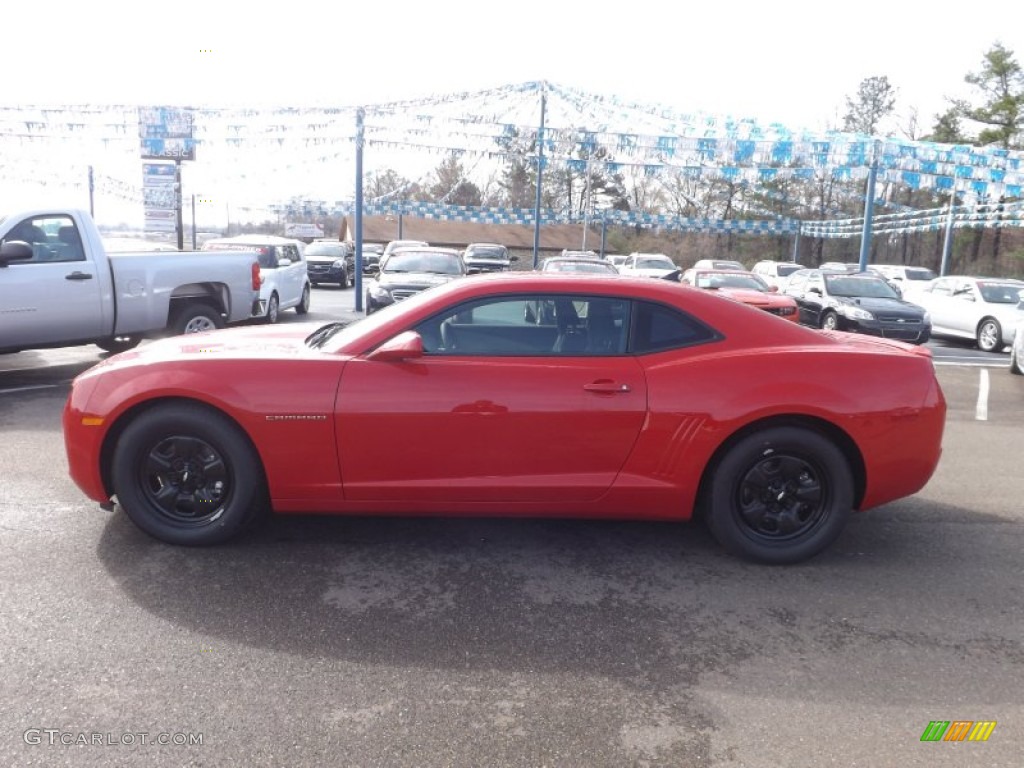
x=166, y=133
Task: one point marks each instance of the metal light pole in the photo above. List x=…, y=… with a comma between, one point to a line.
x=357, y=284
x=540, y=174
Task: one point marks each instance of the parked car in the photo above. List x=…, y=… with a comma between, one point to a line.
x=402, y=244
x=408, y=270
x=570, y=254
x=903, y=276
x=60, y=287
x=577, y=265
x=371, y=257
x=330, y=261
x=775, y=272
x=647, y=265
x=719, y=264
x=488, y=257
x=858, y=303
x=986, y=310
x=744, y=287
x=284, y=278
x=616, y=259
x=670, y=401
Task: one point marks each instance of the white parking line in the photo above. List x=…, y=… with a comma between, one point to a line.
x=981, y=411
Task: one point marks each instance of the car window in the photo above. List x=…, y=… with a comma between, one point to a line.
x=537, y=325
x=1000, y=293
x=657, y=327
x=796, y=282
x=53, y=239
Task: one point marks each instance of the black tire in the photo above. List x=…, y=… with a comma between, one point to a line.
x=273, y=310
x=303, y=306
x=990, y=335
x=186, y=474
x=343, y=283
x=368, y=306
x=780, y=495
x=195, y=318
x=1014, y=359
x=117, y=344
x=830, y=321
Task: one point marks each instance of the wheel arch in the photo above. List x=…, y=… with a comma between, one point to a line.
x=827, y=429
x=132, y=413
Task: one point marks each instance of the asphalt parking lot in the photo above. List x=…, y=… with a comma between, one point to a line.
x=403, y=642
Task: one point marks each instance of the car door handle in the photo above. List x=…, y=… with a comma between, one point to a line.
x=78, y=276
x=607, y=387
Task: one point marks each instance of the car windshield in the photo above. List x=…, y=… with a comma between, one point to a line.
x=580, y=266
x=655, y=262
x=423, y=261
x=1000, y=293
x=727, y=280
x=487, y=252
x=325, y=249
x=859, y=286
x=920, y=273
x=783, y=270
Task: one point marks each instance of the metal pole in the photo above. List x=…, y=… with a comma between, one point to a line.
x=604, y=234
x=540, y=174
x=586, y=203
x=92, y=187
x=401, y=203
x=193, y=222
x=796, y=244
x=947, y=245
x=869, y=211
x=357, y=284
x=179, y=224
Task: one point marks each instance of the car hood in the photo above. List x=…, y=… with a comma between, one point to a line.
x=324, y=259
x=891, y=306
x=245, y=343
x=757, y=298
x=413, y=279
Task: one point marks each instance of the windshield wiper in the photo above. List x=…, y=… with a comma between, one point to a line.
x=322, y=334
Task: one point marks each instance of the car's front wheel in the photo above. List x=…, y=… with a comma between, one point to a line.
x=187, y=474
x=990, y=335
x=779, y=495
x=830, y=321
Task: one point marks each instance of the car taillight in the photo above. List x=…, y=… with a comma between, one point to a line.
x=256, y=280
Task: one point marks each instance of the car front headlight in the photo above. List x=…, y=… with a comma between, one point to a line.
x=338, y=264
x=927, y=319
x=379, y=292
x=856, y=313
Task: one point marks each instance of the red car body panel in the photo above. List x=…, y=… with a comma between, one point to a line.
x=619, y=437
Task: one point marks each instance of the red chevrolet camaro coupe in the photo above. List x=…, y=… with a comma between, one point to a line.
x=634, y=399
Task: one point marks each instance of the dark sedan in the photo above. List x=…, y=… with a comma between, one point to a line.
x=858, y=303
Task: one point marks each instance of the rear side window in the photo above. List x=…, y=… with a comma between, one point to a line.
x=657, y=327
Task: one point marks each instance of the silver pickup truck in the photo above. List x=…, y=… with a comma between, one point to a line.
x=59, y=286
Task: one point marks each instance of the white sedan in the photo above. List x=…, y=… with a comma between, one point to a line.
x=987, y=310
x=647, y=265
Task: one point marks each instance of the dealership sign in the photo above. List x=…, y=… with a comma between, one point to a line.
x=165, y=133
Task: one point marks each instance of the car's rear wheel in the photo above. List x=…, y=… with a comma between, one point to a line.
x=779, y=495
x=830, y=321
x=273, y=309
x=186, y=474
x=303, y=306
x=990, y=335
x=196, y=318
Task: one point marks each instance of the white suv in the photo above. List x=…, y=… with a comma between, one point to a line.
x=284, y=280
x=776, y=272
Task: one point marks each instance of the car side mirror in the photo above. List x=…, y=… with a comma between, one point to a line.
x=513, y=258
x=815, y=290
x=773, y=289
x=15, y=250
x=405, y=346
x=473, y=270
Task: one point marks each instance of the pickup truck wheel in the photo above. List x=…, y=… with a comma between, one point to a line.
x=186, y=474
x=273, y=309
x=195, y=318
x=118, y=343
x=303, y=306
x=779, y=495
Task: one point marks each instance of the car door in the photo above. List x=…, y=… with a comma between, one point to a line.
x=498, y=416
x=942, y=307
x=293, y=276
x=55, y=297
